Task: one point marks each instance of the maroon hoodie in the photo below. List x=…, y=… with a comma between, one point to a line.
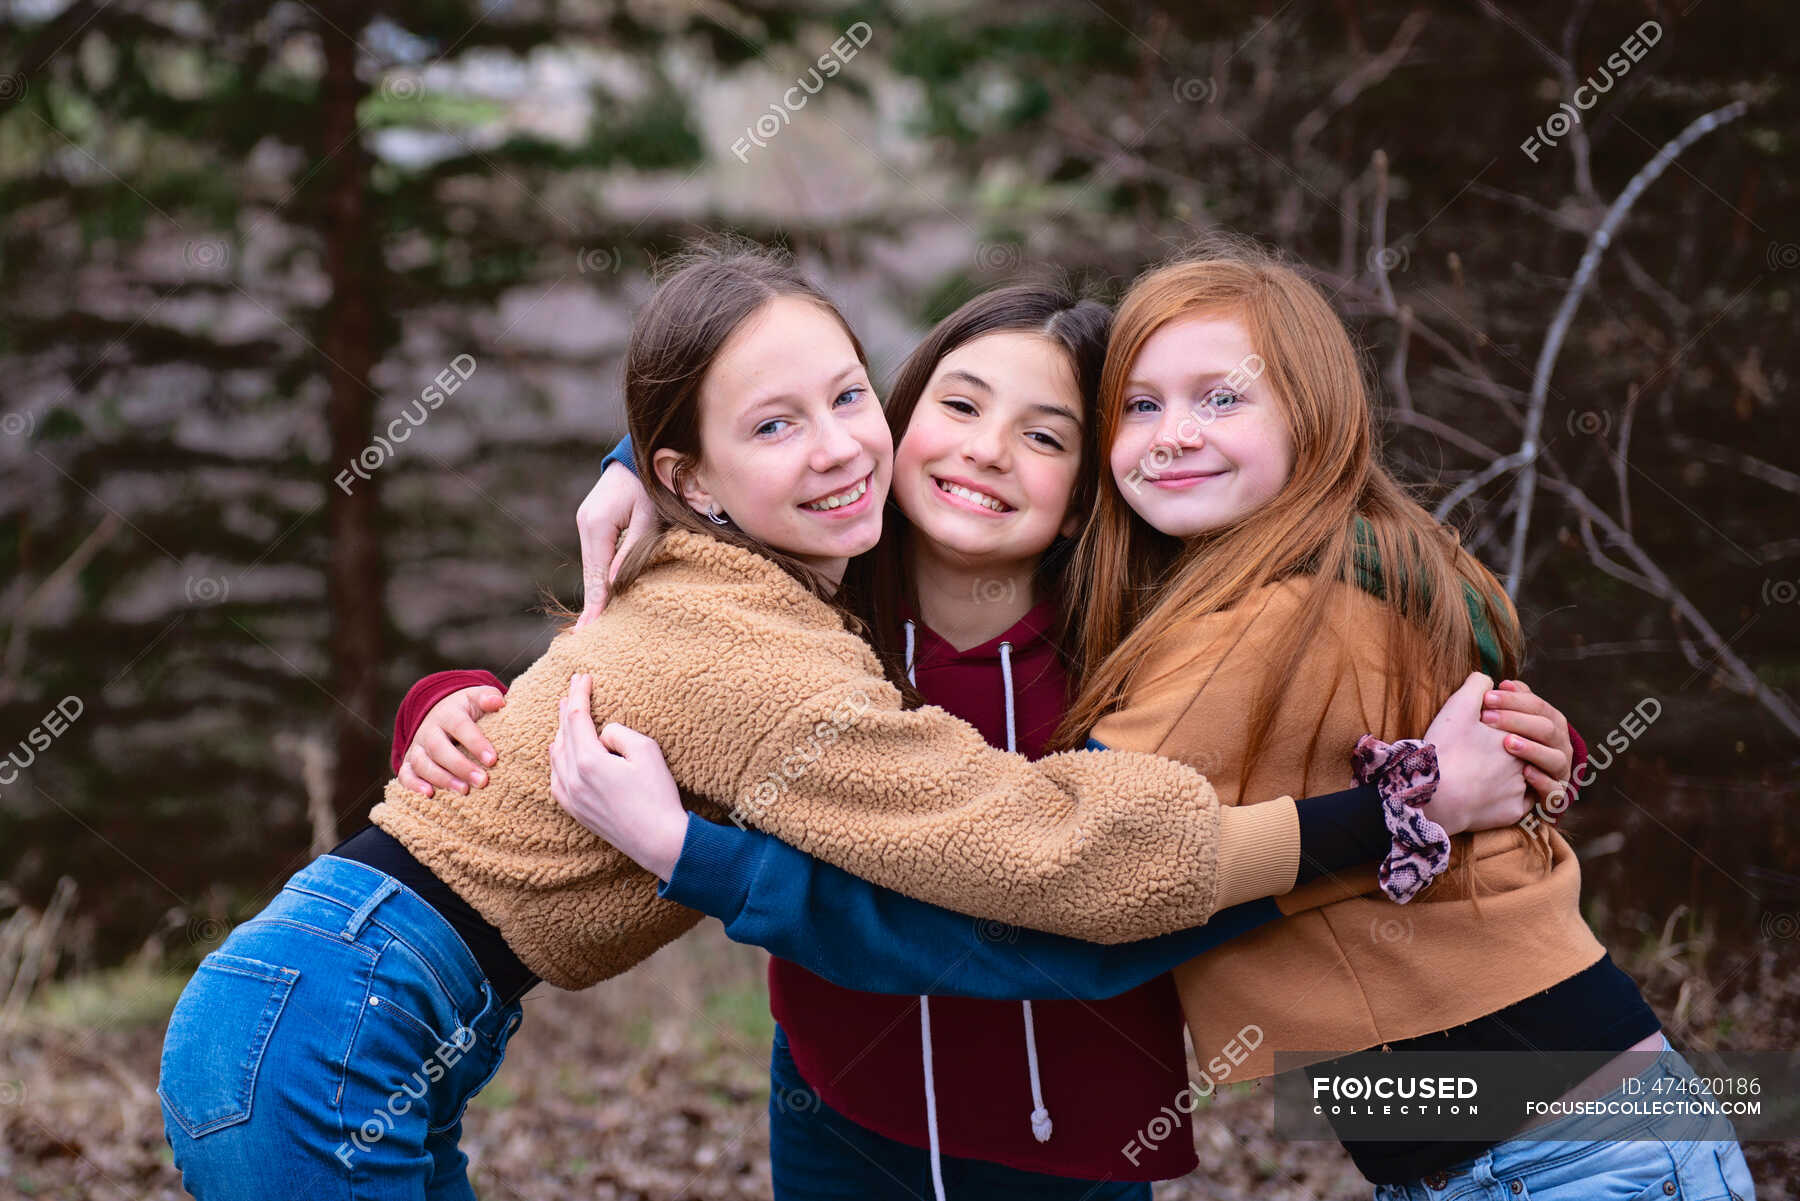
x=1101, y=1065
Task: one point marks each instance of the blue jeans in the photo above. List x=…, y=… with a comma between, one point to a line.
x=327, y=1049
x=1703, y=1163
x=818, y=1154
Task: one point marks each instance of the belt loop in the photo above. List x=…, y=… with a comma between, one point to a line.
x=387, y=888
x=490, y=1001
x=513, y=1017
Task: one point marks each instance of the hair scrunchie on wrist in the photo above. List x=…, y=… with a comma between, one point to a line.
x=1405, y=773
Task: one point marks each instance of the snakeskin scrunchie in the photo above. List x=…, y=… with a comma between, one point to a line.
x=1405, y=773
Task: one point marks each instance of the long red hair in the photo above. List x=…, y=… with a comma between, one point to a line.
x=1340, y=515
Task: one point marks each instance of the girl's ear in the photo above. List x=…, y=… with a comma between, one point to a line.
x=1071, y=525
x=678, y=476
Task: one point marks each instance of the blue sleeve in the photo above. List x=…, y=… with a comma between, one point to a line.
x=621, y=454
x=860, y=935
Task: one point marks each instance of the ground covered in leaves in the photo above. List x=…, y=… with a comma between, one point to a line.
x=650, y=1087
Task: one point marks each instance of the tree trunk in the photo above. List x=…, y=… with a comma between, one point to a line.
x=348, y=345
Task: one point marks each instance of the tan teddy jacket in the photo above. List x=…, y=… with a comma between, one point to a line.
x=767, y=708
x=1358, y=971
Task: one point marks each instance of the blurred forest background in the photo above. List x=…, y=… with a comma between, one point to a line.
x=242, y=238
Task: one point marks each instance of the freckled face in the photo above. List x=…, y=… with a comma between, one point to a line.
x=1202, y=442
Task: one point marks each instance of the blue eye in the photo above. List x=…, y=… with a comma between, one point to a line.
x=769, y=426
x=1224, y=398
x=1142, y=404
x=854, y=393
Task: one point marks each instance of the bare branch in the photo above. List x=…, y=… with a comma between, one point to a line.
x=1396, y=369
x=1672, y=308
x=315, y=755
x=1600, y=650
x=1364, y=77
x=1449, y=433
x=1478, y=481
x=1578, y=139
x=1640, y=278
x=54, y=583
x=1610, y=565
x=1361, y=300
x=1621, y=462
x=33, y=950
x=1349, y=222
x=1691, y=653
x=1565, y=315
x=1550, y=56
x=1755, y=468
x=1378, y=246
x=1737, y=674
x=1506, y=398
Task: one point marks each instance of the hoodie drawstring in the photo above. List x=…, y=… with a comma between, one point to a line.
x=1040, y=1114
x=931, y=1125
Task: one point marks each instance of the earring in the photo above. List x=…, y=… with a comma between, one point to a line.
x=717, y=518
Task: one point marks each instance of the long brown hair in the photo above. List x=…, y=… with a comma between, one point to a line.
x=703, y=296
x=878, y=583
x=1339, y=516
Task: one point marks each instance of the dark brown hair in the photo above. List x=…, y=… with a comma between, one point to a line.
x=703, y=296
x=878, y=582
x=703, y=299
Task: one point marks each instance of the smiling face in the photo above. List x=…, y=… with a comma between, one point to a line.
x=794, y=448
x=988, y=462
x=1201, y=442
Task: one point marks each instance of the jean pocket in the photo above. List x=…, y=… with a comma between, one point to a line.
x=383, y=1002
x=217, y=1037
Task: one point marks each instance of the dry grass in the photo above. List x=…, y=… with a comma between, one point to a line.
x=653, y=1086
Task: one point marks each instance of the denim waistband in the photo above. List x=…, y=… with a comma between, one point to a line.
x=369, y=896
x=1666, y=1063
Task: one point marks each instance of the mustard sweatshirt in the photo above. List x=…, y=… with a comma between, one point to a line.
x=1349, y=969
x=768, y=709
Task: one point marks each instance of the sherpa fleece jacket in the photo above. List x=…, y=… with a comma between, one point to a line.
x=768, y=709
x=1349, y=969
